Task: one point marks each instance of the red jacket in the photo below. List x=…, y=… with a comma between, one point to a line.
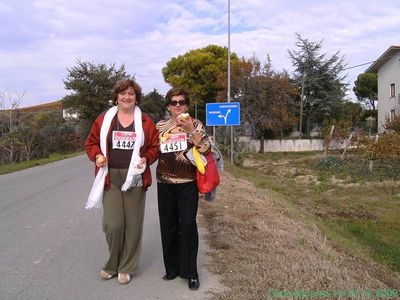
x=149, y=150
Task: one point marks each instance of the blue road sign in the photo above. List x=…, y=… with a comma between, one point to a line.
x=223, y=114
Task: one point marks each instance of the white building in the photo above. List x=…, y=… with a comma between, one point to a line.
x=388, y=68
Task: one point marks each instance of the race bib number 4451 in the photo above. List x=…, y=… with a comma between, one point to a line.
x=123, y=140
x=175, y=142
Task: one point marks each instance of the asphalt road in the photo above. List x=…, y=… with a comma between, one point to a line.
x=52, y=248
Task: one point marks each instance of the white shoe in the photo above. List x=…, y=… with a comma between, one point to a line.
x=104, y=275
x=124, y=278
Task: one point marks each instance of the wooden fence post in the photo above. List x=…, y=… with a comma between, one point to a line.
x=371, y=161
x=346, y=146
x=329, y=141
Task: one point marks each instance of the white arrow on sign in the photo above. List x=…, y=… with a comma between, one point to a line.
x=226, y=116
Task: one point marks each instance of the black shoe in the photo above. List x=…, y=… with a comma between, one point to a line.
x=170, y=276
x=194, y=284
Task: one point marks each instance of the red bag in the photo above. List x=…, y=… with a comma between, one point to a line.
x=210, y=180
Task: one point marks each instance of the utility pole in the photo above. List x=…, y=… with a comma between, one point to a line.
x=302, y=96
x=195, y=107
x=229, y=51
x=229, y=70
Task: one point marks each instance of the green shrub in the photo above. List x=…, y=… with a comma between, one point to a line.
x=330, y=163
x=223, y=141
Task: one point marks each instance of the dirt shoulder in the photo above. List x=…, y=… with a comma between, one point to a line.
x=264, y=249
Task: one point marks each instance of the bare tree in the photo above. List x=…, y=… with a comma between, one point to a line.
x=265, y=97
x=9, y=137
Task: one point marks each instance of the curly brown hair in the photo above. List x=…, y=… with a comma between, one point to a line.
x=123, y=85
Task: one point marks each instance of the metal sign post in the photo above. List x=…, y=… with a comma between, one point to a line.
x=229, y=69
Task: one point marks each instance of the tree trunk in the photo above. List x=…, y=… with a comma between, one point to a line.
x=329, y=141
x=308, y=126
x=261, y=145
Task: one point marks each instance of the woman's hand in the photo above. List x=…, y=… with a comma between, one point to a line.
x=101, y=161
x=142, y=163
x=186, y=124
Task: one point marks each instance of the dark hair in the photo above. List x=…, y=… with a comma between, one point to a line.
x=176, y=92
x=123, y=85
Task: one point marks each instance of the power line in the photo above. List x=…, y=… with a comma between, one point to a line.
x=352, y=67
x=386, y=58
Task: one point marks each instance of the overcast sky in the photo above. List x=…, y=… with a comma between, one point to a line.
x=40, y=39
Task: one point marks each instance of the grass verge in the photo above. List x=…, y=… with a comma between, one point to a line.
x=353, y=208
x=265, y=244
x=5, y=169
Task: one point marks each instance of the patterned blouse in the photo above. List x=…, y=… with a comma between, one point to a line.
x=173, y=165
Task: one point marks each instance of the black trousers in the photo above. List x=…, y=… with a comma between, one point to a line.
x=177, y=209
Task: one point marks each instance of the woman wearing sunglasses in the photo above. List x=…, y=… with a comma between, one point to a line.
x=177, y=189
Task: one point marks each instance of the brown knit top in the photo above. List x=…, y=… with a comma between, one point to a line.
x=174, y=167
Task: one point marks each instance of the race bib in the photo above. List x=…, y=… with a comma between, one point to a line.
x=123, y=140
x=175, y=142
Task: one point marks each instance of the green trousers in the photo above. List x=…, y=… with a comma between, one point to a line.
x=123, y=214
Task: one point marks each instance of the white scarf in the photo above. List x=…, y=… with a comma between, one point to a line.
x=133, y=177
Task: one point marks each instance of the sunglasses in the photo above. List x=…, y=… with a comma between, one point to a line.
x=175, y=103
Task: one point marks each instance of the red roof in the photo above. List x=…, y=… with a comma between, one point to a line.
x=56, y=105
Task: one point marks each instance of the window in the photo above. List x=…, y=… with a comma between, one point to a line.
x=392, y=90
x=392, y=115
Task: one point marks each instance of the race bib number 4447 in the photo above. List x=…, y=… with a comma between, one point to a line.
x=175, y=142
x=123, y=140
